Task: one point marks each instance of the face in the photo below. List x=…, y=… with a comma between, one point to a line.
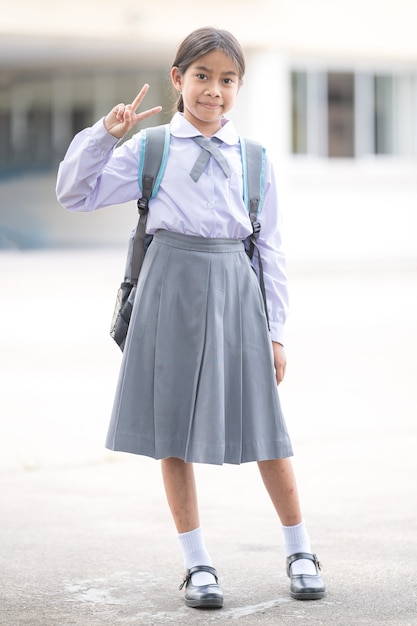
x=209, y=88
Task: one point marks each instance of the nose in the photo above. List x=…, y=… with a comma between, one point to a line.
x=212, y=89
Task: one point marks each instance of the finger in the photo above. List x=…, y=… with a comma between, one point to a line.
x=118, y=111
x=280, y=373
x=148, y=113
x=127, y=118
x=142, y=93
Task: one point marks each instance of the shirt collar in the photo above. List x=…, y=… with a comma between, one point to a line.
x=180, y=127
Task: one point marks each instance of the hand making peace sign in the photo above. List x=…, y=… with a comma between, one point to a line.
x=123, y=116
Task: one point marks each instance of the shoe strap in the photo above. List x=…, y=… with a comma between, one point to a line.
x=198, y=568
x=302, y=555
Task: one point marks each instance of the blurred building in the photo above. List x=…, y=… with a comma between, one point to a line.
x=331, y=89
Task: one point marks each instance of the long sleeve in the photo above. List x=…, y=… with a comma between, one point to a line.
x=273, y=258
x=93, y=174
x=96, y=173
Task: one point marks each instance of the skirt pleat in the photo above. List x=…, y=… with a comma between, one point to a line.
x=197, y=380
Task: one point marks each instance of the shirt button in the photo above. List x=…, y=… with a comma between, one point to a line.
x=210, y=205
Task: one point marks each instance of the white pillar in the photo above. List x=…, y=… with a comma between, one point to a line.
x=61, y=115
x=317, y=114
x=263, y=106
x=20, y=102
x=404, y=116
x=104, y=95
x=364, y=114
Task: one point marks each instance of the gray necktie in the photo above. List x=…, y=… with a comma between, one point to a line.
x=208, y=148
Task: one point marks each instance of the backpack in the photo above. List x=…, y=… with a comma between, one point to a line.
x=155, y=143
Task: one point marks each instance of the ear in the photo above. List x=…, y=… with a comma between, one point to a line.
x=176, y=78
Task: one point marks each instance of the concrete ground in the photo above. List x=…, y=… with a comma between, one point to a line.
x=85, y=535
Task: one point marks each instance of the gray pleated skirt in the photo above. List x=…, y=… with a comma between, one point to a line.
x=197, y=380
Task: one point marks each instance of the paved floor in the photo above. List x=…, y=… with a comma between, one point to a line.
x=85, y=535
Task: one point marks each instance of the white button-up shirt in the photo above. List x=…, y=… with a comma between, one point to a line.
x=94, y=174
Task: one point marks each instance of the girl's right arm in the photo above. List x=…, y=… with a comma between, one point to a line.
x=93, y=174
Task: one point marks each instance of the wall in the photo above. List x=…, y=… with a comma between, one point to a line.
x=333, y=211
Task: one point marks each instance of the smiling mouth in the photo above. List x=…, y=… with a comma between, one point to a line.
x=210, y=105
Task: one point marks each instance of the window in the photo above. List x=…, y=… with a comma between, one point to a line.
x=299, y=112
x=80, y=118
x=5, y=136
x=341, y=114
x=383, y=116
x=38, y=136
x=40, y=114
x=353, y=114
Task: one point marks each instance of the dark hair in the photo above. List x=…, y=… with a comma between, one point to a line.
x=201, y=42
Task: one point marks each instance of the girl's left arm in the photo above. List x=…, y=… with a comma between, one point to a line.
x=273, y=260
x=280, y=361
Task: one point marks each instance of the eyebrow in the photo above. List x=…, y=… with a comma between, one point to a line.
x=208, y=70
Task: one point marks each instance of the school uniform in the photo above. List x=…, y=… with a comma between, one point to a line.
x=197, y=380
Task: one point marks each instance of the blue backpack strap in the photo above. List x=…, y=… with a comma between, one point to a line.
x=152, y=161
x=253, y=171
x=154, y=150
x=253, y=166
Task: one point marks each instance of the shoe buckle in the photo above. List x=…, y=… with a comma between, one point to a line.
x=185, y=581
x=317, y=562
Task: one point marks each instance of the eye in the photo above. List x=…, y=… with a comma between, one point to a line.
x=228, y=81
x=201, y=76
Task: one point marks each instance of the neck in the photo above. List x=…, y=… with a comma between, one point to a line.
x=207, y=129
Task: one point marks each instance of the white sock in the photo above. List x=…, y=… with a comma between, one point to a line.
x=195, y=553
x=297, y=540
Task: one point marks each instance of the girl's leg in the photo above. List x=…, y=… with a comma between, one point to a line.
x=279, y=480
x=181, y=492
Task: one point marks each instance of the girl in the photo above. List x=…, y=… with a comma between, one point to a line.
x=199, y=374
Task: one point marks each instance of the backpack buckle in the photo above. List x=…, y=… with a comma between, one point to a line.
x=142, y=205
x=256, y=229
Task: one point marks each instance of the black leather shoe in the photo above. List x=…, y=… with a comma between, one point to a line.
x=202, y=596
x=305, y=586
